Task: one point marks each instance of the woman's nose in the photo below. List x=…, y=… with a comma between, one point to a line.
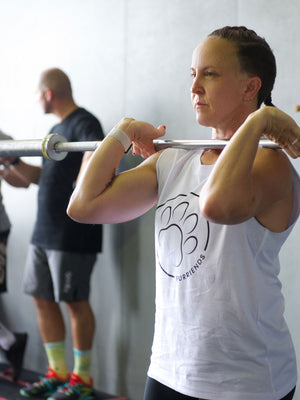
x=197, y=86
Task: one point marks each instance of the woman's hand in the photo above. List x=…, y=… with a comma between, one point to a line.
x=141, y=135
x=281, y=129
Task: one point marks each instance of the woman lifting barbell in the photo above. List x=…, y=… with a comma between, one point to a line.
x=221, y=219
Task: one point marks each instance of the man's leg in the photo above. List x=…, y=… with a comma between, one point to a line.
x=71, y=274
x=38, y=283
x=52, y=330
x=50, y=320
x=83, y=327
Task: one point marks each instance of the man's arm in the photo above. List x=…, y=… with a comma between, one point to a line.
x=20, y=174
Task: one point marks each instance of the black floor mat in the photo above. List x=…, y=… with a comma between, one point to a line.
x=9, y=390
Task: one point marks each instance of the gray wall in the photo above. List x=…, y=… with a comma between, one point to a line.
x=124, y=57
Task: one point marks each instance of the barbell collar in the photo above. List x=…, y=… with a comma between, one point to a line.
x=49, y=144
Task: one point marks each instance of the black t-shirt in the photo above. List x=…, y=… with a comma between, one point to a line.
x=53, y=228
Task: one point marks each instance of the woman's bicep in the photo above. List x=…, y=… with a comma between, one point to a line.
x=128, y=195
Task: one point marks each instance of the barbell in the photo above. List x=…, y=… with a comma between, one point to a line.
x=55, y=146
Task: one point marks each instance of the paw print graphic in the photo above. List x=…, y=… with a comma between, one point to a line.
x=181, y=233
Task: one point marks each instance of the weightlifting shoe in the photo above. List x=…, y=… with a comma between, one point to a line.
x=45, y=387
x=15, y=354
x=75, y=389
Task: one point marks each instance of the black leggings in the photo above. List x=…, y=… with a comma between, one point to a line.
x=156, y=391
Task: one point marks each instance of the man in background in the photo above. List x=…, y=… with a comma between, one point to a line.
x=62, y=253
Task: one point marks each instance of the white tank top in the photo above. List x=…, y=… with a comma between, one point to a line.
x=219, y=333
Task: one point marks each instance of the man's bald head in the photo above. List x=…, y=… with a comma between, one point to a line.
x=56, y=80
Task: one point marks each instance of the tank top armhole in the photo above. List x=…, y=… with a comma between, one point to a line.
x=296, y=204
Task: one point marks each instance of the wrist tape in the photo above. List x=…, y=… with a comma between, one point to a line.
x=122, y=138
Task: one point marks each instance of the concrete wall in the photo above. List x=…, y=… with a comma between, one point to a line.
x=124, y=57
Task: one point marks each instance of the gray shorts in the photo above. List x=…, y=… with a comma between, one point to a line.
x=58, y=275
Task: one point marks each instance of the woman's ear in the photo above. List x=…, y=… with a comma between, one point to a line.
x=252, y=88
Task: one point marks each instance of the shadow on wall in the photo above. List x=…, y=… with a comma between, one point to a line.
x=126, y=238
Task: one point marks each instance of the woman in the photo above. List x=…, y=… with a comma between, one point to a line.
x=221, y=218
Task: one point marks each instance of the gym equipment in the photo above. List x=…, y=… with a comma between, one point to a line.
x=55, y=147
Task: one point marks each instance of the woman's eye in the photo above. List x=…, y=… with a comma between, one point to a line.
x=209, y=73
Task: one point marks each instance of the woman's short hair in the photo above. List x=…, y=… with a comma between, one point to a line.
x=255, y=56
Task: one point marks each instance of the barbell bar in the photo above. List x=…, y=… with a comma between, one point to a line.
x=204, y=144
x=55, y=146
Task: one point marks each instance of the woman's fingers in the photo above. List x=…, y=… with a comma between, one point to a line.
x=143, y=143
x=283, y=130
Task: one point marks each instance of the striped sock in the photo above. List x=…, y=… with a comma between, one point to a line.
x=57, y=358
x=82, y=364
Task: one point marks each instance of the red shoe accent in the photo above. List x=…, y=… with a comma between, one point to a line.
x=76, y=379
x=52, y=374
